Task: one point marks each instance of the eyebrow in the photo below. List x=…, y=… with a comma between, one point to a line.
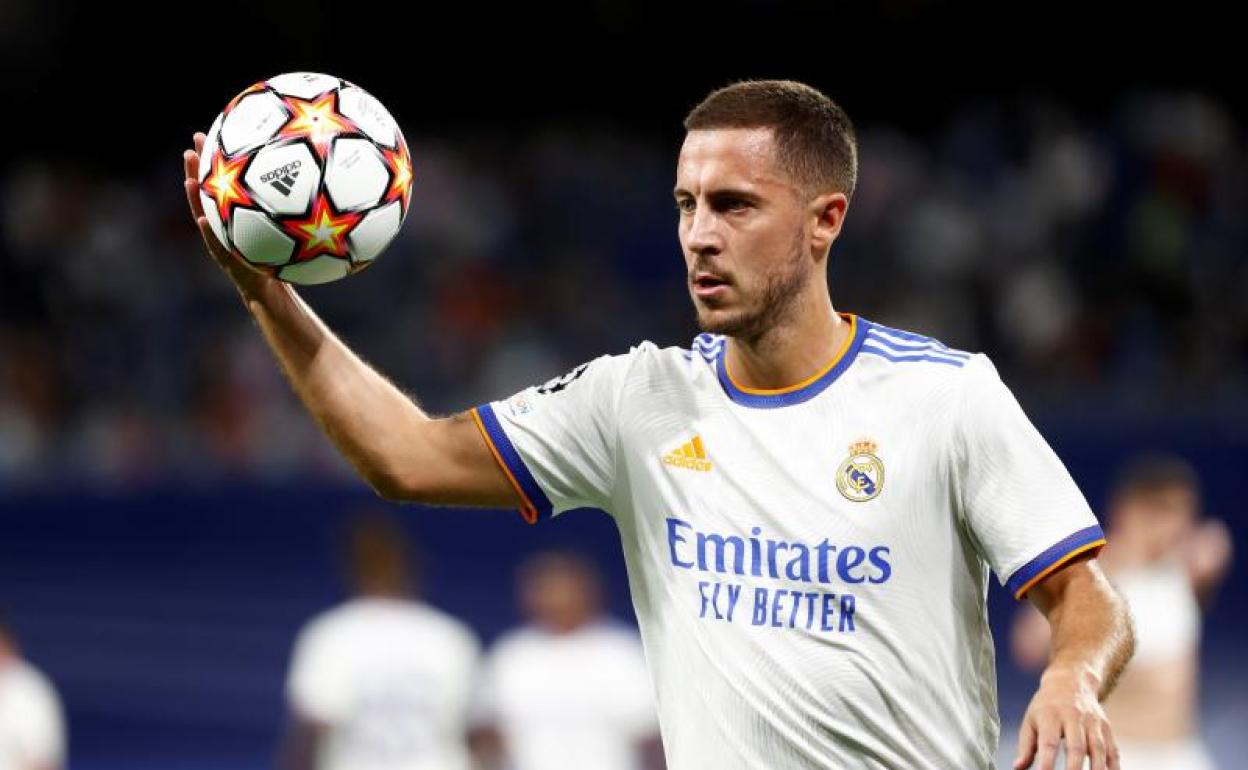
x=724, y=192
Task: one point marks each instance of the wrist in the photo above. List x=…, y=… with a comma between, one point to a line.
x=255, y=288
x=1073, y=673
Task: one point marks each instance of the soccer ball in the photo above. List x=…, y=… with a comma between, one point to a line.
x=306, y=177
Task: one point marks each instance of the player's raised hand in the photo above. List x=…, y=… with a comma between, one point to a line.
x=248, y=281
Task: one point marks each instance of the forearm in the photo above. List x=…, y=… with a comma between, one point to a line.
x=371, y=422
x=1092, y=639
x=1091, y=643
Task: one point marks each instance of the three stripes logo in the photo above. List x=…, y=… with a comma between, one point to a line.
x=283, y=179
x=691, y=455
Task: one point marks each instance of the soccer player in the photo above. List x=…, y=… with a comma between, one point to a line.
x=809, y=502
x=1168, y=563
x=32, y=725
x=383, y=680
x=569, y=689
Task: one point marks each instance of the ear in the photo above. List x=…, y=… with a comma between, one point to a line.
x=829, y=213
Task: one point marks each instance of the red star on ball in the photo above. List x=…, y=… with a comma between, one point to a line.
x=317, y=120
x=400, y=163
x=225, y=185
x=324, y=231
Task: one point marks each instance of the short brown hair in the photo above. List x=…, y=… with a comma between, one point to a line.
x=378, y=555
x=815, y=141
x=1155, y=472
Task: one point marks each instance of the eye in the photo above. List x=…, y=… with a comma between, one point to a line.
x=685, y=205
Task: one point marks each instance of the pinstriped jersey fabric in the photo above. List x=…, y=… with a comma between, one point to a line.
x=808, y=565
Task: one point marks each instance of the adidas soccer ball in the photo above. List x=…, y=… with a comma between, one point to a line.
x=306, y=177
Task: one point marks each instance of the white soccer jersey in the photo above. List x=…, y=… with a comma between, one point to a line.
x=32, y=725
x=808, y=565
x=392, y=680
x=579, y=700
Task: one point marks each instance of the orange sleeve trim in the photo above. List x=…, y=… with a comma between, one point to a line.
x=1021, y=592
x=527, y=509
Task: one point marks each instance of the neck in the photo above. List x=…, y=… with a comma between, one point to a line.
x=788, y=353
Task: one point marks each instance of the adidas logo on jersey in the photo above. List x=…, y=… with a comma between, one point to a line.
x=691, y=455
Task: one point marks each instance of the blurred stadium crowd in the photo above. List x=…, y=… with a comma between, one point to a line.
x=1099, y=259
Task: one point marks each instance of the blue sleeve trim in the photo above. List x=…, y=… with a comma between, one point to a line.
x=1053, y=557
x=514, y=464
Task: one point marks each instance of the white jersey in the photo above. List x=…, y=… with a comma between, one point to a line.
x=1160, y=637
x=570, y=701
x=393, y=682
x=808, y=565
x=32, y=726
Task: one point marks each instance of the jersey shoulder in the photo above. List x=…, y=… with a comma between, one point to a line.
x=648, y=364
x=908, y=350
x=909, y=368
x=362, y=617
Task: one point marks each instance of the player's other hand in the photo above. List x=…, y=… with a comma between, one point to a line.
x=1066, y=708
x=251, y=283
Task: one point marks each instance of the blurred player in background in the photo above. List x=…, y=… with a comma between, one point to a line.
x=384, y=680
x=810, y=503
x=570, y=689
x=1167, y=563
x=32, y=727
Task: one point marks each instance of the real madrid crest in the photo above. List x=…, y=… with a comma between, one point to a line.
x=861, y=477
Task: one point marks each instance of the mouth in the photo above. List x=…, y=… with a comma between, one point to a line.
x=709, y=284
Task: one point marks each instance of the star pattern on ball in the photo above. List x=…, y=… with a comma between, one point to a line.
x=400, y=163
x=317, y=120
x=324, y=231
x=224, y=183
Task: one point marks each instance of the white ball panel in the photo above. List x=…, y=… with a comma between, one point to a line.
x=210, y=149
x=252, y=122
x=284, y=178
x=214, y=218
x=356, y=175
x=375, y=232
x=260, y=240
x=369, y=114
x=322, y=269
x=304, y=85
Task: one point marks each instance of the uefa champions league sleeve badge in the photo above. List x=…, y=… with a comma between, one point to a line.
x=861, y=477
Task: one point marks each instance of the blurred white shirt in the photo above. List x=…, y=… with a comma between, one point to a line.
x=392, y=680
x=32, y=728
x=570, y=701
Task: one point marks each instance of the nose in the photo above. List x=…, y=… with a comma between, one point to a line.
x=703, y=237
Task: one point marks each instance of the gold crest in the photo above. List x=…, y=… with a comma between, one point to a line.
x=861, y=477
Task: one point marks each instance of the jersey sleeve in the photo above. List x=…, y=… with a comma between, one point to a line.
x=557, y=442
x=1023, y=508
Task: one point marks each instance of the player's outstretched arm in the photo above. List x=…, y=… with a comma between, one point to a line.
x=1092, y=641
x=402, y=452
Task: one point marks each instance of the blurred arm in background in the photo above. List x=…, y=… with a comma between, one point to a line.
x=402, y=452
x=1207, y=553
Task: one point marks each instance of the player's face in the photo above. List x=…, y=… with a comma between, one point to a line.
x=1161, y=517
x=743, y=231
x=558, y=598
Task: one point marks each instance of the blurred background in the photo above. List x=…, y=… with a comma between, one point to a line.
x=1063, y=188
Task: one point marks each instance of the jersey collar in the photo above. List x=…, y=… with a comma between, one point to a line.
x=806, y=389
